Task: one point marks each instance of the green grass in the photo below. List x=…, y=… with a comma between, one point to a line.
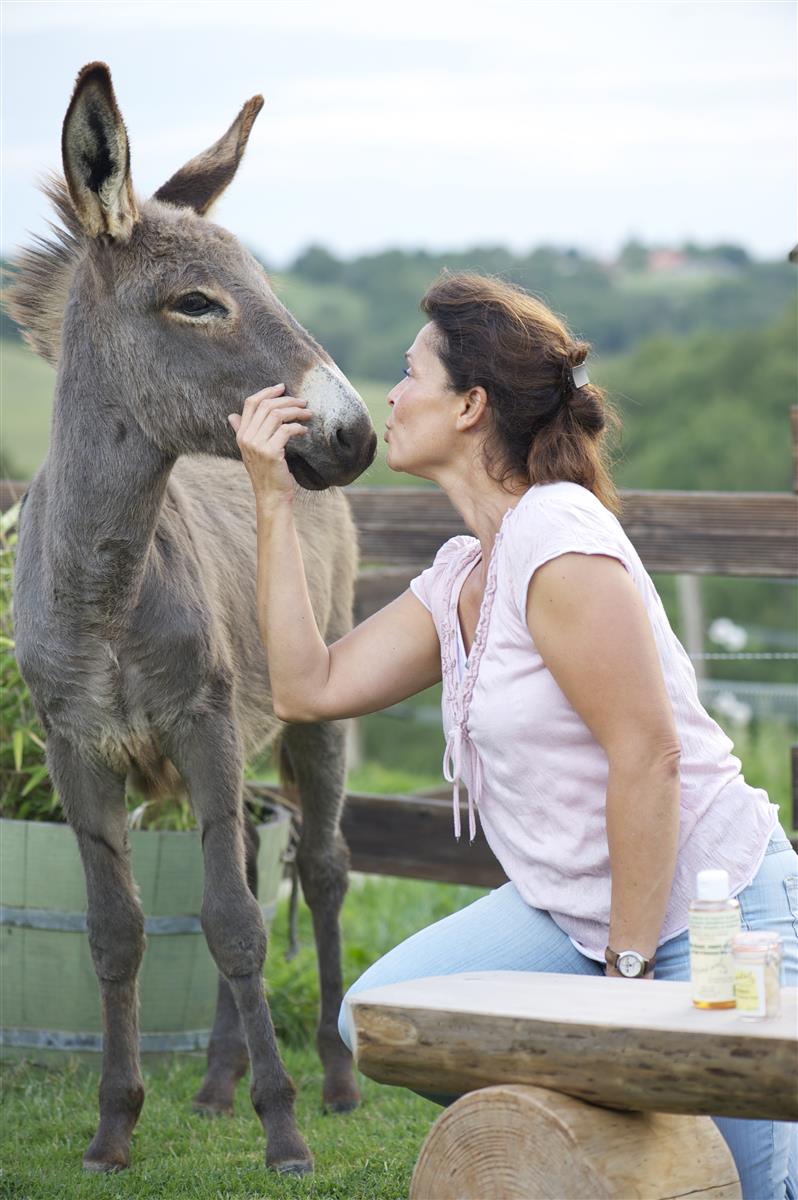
x=26, y=397
x=49, y=1117
x=49, y=1114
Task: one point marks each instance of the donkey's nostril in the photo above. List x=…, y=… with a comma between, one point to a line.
x=352, y=446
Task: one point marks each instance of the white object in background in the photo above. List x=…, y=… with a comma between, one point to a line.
x=727, y=634
x=727, y=704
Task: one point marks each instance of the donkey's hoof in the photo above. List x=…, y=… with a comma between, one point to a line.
x=292, y=1158
x=212, y=1108
x=344, y=1105
x=340, y=1096
x=302, y=1166
x=99, y=1166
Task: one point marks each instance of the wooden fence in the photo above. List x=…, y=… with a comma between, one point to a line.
x=746, y=534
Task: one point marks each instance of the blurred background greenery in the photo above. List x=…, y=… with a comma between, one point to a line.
x=696, y=345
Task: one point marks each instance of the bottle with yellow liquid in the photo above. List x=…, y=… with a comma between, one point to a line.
x=713, y=921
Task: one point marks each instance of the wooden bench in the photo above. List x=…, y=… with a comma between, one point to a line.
x=573, y=1086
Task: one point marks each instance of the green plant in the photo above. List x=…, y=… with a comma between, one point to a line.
x=25, y=788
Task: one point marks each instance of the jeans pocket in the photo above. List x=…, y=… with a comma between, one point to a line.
x=791, y=888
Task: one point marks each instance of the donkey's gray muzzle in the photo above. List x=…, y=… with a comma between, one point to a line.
x=334, y=459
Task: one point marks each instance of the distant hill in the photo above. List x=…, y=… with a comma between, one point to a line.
x=709, y=411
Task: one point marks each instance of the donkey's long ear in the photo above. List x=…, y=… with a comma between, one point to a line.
x=97, y=157
x=202, y=180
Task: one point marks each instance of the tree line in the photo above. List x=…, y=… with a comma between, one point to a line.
x=364, y=310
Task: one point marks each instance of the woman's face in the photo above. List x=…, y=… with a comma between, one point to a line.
x=421, y=425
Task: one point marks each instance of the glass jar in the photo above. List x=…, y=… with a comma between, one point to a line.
x=756, y=955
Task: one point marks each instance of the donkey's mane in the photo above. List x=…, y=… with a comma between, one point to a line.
x=42, y=275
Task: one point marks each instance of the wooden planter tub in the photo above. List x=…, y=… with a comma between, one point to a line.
x=49, y=996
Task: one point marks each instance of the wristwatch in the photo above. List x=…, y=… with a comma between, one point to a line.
x=629, y=963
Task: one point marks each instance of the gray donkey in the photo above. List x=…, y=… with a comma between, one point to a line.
x=135, y=604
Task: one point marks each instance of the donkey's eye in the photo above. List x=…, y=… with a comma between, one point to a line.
x=196, y=304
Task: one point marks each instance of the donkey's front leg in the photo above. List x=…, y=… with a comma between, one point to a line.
x=317, y=761
x=94, y=802
x=207, y=756
x=228, y=1057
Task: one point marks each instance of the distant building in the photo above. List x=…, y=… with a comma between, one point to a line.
x=680, y=264
x=667, y=262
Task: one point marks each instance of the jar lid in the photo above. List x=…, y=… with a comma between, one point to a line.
x=755, y=941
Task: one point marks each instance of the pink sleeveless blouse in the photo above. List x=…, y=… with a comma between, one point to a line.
x=531, y=766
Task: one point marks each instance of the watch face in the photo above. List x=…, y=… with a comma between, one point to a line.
x=629, y=965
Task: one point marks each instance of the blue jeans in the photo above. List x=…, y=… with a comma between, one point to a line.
x=500, y=932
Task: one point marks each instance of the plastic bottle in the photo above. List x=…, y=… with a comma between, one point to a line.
x=714, y=919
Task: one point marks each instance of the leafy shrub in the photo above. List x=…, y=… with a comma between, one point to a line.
x=25, y=788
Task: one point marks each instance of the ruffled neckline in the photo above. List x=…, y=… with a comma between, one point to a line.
x=459, y=693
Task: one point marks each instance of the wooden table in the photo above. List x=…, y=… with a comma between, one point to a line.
x=525, y=1051
x=615, y=1042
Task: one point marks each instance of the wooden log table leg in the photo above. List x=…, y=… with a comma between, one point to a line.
x=518, y=1142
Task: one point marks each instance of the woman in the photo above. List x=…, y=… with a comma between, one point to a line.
x=570, y=707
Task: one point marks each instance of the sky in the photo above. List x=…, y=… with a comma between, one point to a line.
x=435, y=124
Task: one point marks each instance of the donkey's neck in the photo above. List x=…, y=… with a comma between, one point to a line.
x=105, y=485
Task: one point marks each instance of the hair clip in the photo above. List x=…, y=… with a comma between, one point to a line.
x=580, y=376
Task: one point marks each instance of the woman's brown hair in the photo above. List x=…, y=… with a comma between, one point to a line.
x=494, y=335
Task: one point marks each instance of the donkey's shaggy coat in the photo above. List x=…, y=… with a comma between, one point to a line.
x=135, y=603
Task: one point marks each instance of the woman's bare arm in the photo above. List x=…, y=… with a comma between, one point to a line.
x=392, y=655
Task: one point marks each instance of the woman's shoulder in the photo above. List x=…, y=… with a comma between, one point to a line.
x=548, y=505
x=560, y=518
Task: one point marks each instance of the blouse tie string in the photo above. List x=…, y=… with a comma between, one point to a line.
x=452, y=773
x=460, y=694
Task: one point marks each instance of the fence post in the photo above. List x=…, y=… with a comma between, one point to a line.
x=691, y=608
x=793, y=756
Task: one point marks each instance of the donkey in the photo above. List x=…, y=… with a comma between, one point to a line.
x=135, y=601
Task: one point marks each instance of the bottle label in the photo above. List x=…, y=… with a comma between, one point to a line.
x=711, y=964
x=749, y=990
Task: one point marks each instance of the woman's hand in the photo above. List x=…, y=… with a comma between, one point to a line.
x=267, y=423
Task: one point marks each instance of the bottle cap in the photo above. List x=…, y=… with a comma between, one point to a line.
x=712, y=885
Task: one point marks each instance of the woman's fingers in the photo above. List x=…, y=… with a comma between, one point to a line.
x=257, y=439
x=286, y=432
x=256, y=407
x=271, y=414
x=251, y=417
x=267, y=423
x=251, y=403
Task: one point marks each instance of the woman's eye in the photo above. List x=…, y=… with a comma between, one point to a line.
x=195, y=304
